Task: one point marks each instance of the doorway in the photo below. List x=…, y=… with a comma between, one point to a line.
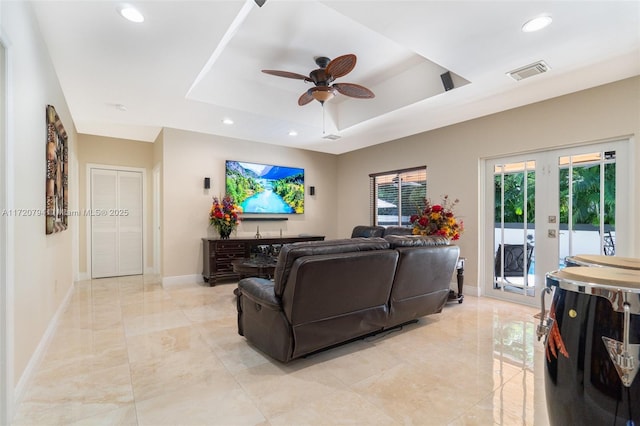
x=544, y=206
x=116, y=200
x=157, y=207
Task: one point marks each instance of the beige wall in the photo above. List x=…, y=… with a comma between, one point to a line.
x=189, y=157
x=42, y=264
x=453, y=154
x=114, y=153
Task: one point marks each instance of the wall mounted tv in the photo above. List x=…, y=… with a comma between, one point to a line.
x=265, y=188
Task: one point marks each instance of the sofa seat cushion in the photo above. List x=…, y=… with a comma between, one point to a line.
x=290, y=252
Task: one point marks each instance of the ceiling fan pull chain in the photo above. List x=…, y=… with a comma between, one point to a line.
x=323, y=132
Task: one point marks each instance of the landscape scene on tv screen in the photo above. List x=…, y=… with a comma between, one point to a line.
x=264, y=188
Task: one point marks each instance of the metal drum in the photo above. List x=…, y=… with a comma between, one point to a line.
x=599, y=260
x=592, y=346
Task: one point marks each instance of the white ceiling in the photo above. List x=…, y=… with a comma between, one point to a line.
x=193, y=63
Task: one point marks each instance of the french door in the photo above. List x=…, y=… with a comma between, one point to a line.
x=544, y=206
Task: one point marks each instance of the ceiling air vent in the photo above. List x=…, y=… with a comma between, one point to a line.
x=332, y=137
x=529, y=71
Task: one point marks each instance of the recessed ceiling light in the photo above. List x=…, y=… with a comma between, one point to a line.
x=227, y=121
x=536, y=24
x=293, y=133
x=132, y=14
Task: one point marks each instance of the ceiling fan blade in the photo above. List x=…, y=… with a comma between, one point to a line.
x=287, y=74
x=354, y=90
x=305, y=98
x=342, y=65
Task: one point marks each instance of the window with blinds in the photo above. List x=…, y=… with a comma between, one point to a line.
x=396, y=195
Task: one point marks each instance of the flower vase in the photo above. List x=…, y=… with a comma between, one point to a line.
x=224, y=233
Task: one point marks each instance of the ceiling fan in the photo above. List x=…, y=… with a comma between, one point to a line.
x=323, y=78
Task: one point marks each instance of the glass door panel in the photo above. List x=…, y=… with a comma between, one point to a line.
x=587, y=189
x=514, y=218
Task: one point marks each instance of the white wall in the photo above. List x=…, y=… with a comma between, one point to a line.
x=189, y=157
x=453, y=154
x=43, y=266
x=6, y=241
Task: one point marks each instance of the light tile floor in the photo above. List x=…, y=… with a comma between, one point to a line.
x=128, y=352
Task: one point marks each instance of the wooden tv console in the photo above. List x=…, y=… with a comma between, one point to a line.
x=218, y=253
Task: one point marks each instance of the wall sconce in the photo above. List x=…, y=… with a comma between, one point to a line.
x=312, y=190
x=207, y=183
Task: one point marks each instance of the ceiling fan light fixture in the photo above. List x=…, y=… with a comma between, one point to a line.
x=131, y=14
x=323, y=94
x=536, y=23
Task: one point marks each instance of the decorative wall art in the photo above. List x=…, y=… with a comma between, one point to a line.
x=57, y=174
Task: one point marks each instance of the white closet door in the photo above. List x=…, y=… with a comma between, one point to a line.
x=116, y=223
x=130, y=223
x=104, y=227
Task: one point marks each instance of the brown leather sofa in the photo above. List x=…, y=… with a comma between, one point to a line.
x=329, y=292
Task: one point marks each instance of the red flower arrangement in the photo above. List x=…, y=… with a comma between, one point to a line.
x=438, y=219
x=224, y=215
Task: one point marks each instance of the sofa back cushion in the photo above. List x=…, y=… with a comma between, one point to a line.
x=416, y=240
x=367, y=231
x=332, y=298
x=397, y=230
x=290, y=252
x=421, y=283
x=330, y=285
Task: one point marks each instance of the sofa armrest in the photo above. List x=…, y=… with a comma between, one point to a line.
x=261, y=319
x=260, y=290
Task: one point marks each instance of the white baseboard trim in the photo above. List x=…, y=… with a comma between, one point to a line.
x=181, y=280
x=471, y=290
x=83, y=276
x=40, y=351
x=467, y=290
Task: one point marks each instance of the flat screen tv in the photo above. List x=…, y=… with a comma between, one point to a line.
x=265, y=188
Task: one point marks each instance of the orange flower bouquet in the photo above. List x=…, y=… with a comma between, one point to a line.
x=224, y=215
x=438, y=219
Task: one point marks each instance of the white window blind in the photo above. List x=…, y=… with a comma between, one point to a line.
x=396, y=195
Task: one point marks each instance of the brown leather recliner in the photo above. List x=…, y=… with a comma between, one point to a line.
x=323, y=293
x=328, y=292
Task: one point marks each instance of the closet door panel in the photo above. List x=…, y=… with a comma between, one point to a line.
x=130, y=223
x=104, y=227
